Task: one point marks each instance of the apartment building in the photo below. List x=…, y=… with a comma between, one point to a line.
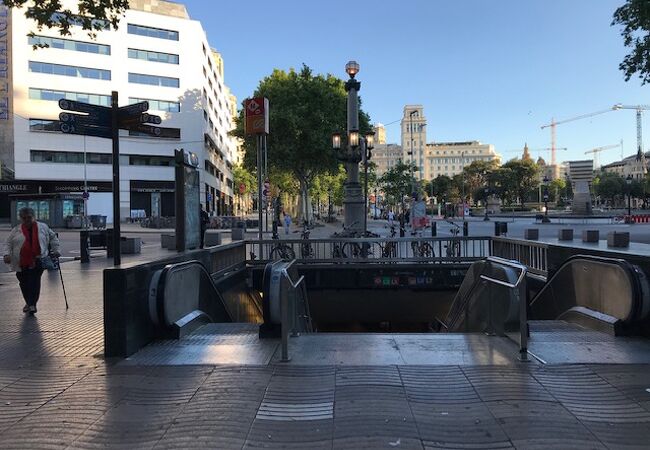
x=158, y=54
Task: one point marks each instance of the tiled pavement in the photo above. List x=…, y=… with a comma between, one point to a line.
x=57, y=392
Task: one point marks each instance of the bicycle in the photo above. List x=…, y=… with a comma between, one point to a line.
x=452, y=249
x=306, y=250
x=284, y=251
x=389, y=249
x=422, y=249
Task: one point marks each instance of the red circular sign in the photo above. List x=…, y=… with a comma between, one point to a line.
x=242, y=188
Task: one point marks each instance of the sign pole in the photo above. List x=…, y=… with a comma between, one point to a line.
x=115, y=136
x=266, y=177
x=259, y=191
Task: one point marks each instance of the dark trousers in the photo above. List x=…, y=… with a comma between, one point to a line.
x=30, y=284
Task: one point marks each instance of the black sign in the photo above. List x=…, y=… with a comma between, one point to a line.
x=152, y=186
x=133, y=110
x=97, y=110
x=130, y=121
x=80, y=119
x=148, y=129
x=87, y=130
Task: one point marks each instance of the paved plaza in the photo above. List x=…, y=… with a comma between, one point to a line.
x=57, y=391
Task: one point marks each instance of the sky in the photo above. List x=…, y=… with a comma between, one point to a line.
x=488, y=70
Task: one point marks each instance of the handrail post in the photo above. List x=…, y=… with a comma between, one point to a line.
x=523, y=329
x=284, y=328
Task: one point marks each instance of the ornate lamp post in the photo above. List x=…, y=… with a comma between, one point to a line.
x=545, y=219
x=351, y=155
x=370, y=144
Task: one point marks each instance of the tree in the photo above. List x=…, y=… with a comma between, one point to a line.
x=304, y=111
x=441, y=187
x=522, y=178
x=634, y=16
x=556, y=189
x=91, y=15
x=476, y=175
x=609, y=186
x=396, y=183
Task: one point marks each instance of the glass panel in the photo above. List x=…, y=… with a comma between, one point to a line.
x=68, y=208
x=44, y=210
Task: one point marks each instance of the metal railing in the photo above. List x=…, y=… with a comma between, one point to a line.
x=227, y=258
x=534, y=255
x=523, y=307
x=370, y=250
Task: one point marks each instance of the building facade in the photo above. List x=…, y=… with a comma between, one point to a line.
x=386, y=156
x=632, y=165
x=158, y=54
x=449, y=158
x=414, y=138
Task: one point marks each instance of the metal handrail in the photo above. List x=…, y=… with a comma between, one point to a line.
x=523, y=307
x=284, y=314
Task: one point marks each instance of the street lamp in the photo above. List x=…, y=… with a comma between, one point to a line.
x=353, y=138
x=628, y=181
x=370, y=140
x=374, y=213
x=336, y=141
x=545, y=219
x=487, y=194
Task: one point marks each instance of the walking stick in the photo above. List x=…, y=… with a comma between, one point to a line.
x=65, y=297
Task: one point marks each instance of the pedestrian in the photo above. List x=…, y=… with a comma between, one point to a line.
x=205, y=220
x=391, y=218
x=27, y=245
x=287, y=223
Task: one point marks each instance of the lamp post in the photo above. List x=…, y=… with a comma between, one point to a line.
x=351, y=156
x=545, y=219
x=628, y=181
x=374, y=212
x=367, y=154
x=462, y=164
x=487, y=194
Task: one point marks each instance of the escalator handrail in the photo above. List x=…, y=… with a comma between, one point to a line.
x=508, y=263
x=629, y=268
x=160, y=297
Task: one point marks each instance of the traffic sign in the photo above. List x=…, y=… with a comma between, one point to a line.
x=72, y=105
x=85, y=195
x=242, y=188
x=73, y=128
x=127, y=122
x=148, y=129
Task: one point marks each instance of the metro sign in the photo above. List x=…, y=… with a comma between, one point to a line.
x=257, y=115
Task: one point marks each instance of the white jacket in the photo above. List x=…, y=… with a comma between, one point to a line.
x=46, y=238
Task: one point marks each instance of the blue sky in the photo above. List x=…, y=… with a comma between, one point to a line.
x=489, y=70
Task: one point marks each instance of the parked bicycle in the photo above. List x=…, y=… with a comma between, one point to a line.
x=422, y=249
x=452, y=249
x=306, y=250
x=282, y=251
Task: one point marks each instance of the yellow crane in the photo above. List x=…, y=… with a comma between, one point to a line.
x=596, y=152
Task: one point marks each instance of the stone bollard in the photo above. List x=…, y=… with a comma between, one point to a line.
x=618, y=239
x=590, y=235
x=565, y=234
x=531, y=234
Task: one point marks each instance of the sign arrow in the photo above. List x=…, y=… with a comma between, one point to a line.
x=74, y=128
x=72, y=105
x=80, y=119
x=133, y=110
x=129, y=121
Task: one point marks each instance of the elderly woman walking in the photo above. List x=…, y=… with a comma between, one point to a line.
x=27, y=245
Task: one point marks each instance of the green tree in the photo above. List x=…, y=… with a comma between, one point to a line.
x=522, y=178
x=91, y=15
x=556, y=189
x=241, y=176
x=441, y=187
x=634, y=17
x=396, y=183
x=609, y=186
x=502, y=185
x=476, y=175
x=304, y=111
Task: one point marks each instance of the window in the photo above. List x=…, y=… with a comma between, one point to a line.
x=158, y=33
x=43, y=125
x=55, y=96
x=158, y=105
x=69, y=71
x=77, y=20
x=147, y=55
x=140, y=160
x=67, y=44
x=69, y=157
x=153, y=80
x=169, y=133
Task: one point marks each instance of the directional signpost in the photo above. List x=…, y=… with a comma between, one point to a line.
x=105, y=122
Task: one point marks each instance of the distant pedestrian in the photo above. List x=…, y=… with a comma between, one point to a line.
x=391, y=218
x=287, y=223
x=205, y=220
x=26, y=246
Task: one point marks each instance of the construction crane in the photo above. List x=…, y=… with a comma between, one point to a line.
x=596, y=152
x=639, y=132
x=554, y=124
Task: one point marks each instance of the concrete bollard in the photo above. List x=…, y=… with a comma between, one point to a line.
x=618, y=239
x=565, y=234
x=531, y=234
x=590, y=235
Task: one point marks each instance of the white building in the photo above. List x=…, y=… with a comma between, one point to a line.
x=158, y=54
x=449, y=158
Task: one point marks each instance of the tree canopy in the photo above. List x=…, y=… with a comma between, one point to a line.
x=396, y=183
x=634, y=17
x=305, y=109
x=91, y=15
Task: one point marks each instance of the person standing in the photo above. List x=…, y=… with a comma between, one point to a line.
x=287, y=223
x=391, y=218
x=26, y=246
